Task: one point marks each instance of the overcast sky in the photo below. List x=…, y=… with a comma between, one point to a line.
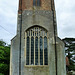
x=65, y=14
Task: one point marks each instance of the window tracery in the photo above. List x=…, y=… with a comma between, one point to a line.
x=36, y=40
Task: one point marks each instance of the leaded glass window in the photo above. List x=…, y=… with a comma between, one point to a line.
x=32, y=50
x=27, y=52
x=36, y=46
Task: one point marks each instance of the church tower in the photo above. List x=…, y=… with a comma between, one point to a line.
x=37, y=49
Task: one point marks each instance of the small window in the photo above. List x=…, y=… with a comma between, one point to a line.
x=36, y=2
x=36, y=46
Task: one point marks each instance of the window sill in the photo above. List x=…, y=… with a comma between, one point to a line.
x=36, y=66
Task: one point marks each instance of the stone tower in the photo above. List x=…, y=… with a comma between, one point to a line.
x=37, y=49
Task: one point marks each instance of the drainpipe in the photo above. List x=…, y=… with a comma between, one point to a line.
x=54, y=26
x=20, y=41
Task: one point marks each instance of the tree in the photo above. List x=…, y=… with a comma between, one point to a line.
x=4, y=58
x=70, y=51
x=2, y=43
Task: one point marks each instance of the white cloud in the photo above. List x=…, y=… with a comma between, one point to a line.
x=8, y=19
x=65, y=11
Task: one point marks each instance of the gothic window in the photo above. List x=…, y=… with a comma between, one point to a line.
x=36, y=2
x=36, y=46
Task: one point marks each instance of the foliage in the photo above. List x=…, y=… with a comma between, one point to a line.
x=2, y=43
x=70, y=51
x=4, y=58
x=1, y=74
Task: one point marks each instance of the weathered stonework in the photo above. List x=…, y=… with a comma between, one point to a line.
x=42, y=17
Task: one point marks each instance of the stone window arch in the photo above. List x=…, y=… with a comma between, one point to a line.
x=36, y=46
